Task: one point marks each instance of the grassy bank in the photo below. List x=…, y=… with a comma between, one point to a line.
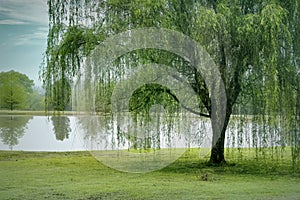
x=78, y=175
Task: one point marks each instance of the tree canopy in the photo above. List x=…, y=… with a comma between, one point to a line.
x=255, y=45
x=16, y=89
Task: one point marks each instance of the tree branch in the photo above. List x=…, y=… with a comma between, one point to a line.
x=185, y=107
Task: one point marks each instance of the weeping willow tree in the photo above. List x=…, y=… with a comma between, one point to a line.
x=255, y=45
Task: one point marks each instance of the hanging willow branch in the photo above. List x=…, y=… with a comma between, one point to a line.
x=254, y=44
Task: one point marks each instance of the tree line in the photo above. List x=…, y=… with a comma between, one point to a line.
x=18, y=92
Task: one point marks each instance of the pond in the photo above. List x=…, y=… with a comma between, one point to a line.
x=75, y=133
x=39, y=133
x=125, y=142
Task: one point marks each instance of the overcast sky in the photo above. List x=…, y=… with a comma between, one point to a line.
x=23, y=36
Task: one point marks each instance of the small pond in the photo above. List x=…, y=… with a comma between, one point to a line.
x=74, y=133
x=39, y=133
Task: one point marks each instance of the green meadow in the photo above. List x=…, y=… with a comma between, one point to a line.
x=78, y=175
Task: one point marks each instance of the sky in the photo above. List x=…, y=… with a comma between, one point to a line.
x=23, y=36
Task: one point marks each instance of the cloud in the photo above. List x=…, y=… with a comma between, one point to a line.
x=11, y=22
x=19, y=12
x=37, y=37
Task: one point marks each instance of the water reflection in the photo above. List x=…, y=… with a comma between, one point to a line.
x=141, y=143
x=39, y=133
x=61, y=127
x=107, y=132
x=123, y=131
x=12, y=128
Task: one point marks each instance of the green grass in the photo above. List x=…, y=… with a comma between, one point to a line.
x=78, y=175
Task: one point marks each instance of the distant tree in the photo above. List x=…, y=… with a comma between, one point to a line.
x=15, y=90
x=37, y=100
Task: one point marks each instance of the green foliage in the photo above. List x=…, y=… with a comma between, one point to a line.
x=103, y=98
x=37, y=100
x=142, y=99
x=255, y=44
x=60, y=99
x=16, y=89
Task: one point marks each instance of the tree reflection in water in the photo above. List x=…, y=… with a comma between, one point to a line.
x=12, y=128
x=61, y=127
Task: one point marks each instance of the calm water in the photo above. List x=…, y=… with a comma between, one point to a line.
x=39, y=133
x=73, y=133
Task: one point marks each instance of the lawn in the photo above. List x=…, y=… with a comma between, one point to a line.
x=78, y=175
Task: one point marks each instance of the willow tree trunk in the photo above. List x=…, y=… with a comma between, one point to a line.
x=217, y=151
